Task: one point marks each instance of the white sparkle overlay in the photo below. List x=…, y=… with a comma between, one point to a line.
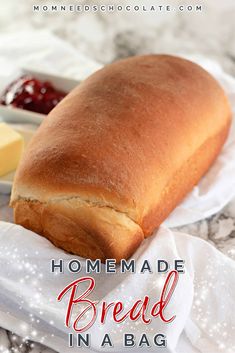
x=203, y=300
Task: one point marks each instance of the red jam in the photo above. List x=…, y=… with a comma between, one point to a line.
x=31, y=94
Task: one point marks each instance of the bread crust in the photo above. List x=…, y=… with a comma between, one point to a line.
x=115, y=157
x=80, y=227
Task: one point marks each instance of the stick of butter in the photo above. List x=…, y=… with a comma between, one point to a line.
x=11, y=148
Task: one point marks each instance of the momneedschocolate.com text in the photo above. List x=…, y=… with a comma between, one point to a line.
x=118, y=8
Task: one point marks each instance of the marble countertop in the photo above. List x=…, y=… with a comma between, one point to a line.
x=210, y=33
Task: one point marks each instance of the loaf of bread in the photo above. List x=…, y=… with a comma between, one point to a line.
x=118, y=154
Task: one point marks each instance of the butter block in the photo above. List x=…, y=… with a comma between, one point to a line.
x=11, y=148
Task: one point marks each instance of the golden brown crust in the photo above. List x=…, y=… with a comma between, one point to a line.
x=184, y=180
x=128, y=144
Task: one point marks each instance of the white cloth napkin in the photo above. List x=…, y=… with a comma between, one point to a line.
x=43, y=51
x=203, y=300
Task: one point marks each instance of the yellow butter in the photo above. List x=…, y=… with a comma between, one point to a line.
x=11, y=148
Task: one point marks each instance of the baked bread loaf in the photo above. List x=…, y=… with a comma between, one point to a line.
x=117, y=155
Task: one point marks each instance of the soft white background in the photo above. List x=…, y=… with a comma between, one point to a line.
x=105, y=37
